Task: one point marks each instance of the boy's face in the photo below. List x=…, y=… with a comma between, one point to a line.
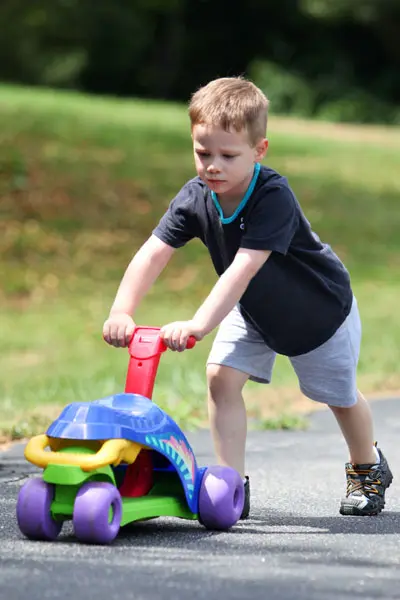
x=225, y=159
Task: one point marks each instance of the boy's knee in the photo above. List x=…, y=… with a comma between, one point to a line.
x=342, y=410
x=223, y=379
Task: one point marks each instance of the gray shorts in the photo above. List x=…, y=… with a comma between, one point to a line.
x=326, y=374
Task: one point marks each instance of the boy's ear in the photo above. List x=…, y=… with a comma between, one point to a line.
x=261, y=149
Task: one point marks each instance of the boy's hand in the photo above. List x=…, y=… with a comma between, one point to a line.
x=176, y=334
x=118, y=330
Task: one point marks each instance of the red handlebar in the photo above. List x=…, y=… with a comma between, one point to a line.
x=189, y=344
x=145, y=349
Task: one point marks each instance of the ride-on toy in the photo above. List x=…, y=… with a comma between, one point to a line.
x=122, y=459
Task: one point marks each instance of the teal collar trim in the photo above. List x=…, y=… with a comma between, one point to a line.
x=243, y=203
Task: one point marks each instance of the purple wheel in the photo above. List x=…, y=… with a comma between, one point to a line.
x=33, y=511
x=221, y=497
x=97, y=512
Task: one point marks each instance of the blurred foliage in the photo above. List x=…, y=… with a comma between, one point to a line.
x=337, y=59
x=361, y=10
x=290, y=94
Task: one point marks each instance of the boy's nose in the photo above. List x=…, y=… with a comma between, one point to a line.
x=213, y=168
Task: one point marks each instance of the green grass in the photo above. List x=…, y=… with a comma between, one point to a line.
x=84, y=180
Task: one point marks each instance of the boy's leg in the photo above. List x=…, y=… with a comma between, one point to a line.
x=239, y=353
x=368, y=473
x=227, y=415
x=357, y=428
x=328, y=374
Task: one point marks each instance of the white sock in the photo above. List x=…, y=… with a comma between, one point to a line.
x=378, y=458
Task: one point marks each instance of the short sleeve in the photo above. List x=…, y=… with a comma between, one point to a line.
x=272, y=221
x=180, y=223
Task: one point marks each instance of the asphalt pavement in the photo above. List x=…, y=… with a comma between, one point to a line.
x=295, y=546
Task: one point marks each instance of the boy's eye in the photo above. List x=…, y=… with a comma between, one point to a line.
x=229, y=156
x=202, y=153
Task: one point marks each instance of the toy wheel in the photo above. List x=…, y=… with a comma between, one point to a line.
x=221, y=497
x=33, y=511
x=97, y=512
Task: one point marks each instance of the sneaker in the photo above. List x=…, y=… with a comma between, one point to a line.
x=366, y=486
x=246, y=506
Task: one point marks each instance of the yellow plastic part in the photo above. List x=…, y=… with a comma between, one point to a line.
x=112, y=452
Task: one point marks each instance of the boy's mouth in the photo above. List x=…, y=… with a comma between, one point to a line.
x=216, y=181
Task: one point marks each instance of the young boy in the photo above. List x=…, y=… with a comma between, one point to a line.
x=280, y=289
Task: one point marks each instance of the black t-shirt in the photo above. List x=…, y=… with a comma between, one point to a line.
x=302, y=293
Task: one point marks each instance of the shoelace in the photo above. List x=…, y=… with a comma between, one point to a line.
x=364, y=480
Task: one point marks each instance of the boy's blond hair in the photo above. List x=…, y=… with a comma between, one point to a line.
x=231, y=102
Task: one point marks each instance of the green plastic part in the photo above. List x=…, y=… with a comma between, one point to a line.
x=71, y=475
x=62, y=507
x=149, y=507
x=166, y=499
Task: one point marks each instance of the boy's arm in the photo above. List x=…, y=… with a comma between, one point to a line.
x=141, y=273
x=228, y=290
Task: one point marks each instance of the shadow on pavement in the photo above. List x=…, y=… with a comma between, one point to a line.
x=388, y=522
